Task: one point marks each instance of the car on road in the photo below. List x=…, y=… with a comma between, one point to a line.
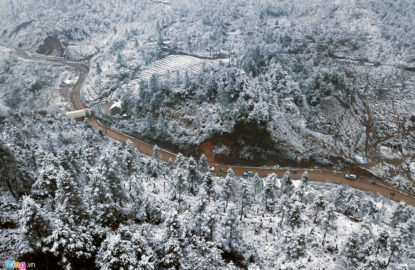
x=351, y=176
x=211, y=169
x=249, y=173
x=372, y=182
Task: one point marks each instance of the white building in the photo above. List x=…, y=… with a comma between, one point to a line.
x=78, y=114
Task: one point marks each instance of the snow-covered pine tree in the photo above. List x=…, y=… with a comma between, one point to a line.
x=268, y=194
x=44, y=189
x=258, y=185
x=156, y=153
x=170, y=164
x=294, y=216
x=245, y=198
x=401, y=214
x=199, y=216
x=130, y=158
x=232, y=241
x=179, y=186
x=192, y=176
x=69, y=203
x=286, y=183
x=102, y=205
x=228, y=188
x=34, y=223
x=180, y=160
x=304, y=178
x=208, y=185
x=171, y=245
x=319, y=205
x=203, y=164
x=125, y=250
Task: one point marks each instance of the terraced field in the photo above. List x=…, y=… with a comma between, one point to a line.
x=181, y=63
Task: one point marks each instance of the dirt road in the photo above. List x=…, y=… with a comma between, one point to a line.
x=145, y=148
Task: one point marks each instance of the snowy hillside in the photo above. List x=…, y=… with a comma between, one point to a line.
x=320, y=81
x=323, y=85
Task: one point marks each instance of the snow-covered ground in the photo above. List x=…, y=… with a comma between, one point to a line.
x=327, y=80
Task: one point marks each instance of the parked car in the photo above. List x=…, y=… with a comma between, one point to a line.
x=393, y=193
x=211, y=169
x=295, y=171
x=249, y=173
x=372, y=182
x=351, y=176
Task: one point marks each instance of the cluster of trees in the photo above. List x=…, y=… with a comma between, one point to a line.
x=230, y=95
x=84, y=199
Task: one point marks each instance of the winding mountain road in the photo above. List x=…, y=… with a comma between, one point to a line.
x=364, y=183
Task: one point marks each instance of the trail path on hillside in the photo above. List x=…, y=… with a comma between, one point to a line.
x=220, y=169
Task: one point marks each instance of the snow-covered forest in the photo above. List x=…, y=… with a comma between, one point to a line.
x=74, y=199
x=304, y=84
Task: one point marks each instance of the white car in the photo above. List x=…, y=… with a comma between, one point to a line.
x=351, y=176
x=211, y=169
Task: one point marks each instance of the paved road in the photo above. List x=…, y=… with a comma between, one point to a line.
x=145, y=148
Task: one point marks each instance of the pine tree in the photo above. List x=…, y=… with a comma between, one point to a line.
x=304, y=178
x=203, y=164
x=44, y=188
x=228, y=188
x=170, y=164
x=192, y=176
x=125, y=250
x=328, y=220
x=401, y=214
x=395, y=247
x=232, y=235
x=294, y=217
x=199, y=218
x=286, y=183
x=71, y=243
x=232, y=240
x=102, y=205
x=211, y=221
x=180, y=160
x=382, y=242
x=156, y=153
x=296, y=245
x=268, y=193
x=179, y=185
x=258, y=185
x=69, y=203
x=111, y=168
x=352, y=250
x=208, y=185
x=34, y=222
x=245, y=198
x=319, y=205
x=130, y=158
x=171, y=248
x=202, y=254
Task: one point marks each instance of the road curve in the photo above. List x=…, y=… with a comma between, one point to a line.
x=365, y=184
